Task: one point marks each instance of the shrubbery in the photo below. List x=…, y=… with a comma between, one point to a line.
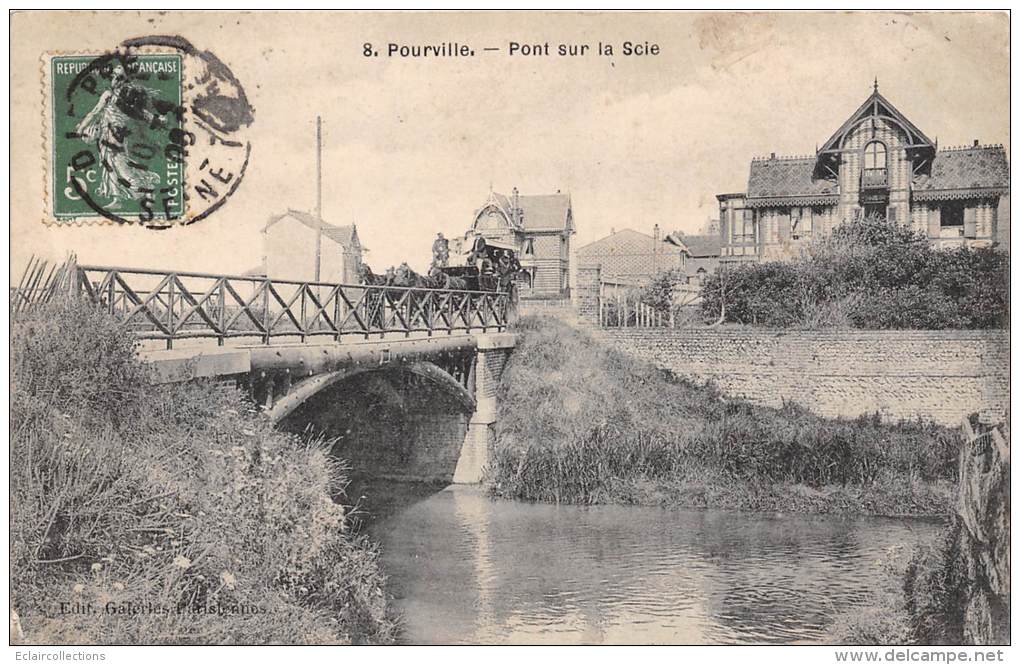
x=175, y=500
x=867, y=274
x=922, y=601
x=578, y=419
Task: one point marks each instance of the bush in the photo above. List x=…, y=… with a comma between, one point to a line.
x=177, y=505
x=923, y=601
x=577, y=417
x=867, y=274
x=935, y=588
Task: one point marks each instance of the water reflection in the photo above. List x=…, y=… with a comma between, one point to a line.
x=465, y=569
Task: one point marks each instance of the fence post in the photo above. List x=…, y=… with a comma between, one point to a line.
x=265, y=309
x=223, y=311
x=304, y=311
x=170, y=310
x=111, y=291
x=337, y=312
x=74, y=278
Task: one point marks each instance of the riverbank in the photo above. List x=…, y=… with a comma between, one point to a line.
x=580, y=422
x=169, y=514
x=956, y=589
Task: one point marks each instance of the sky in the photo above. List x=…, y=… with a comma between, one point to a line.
x=413, y=146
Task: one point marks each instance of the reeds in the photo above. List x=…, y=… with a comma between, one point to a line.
x=580, y=421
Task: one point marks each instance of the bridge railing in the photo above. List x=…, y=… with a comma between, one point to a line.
x=160, y=305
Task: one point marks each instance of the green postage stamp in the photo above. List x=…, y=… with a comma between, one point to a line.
x=116, y=139
x=153, y=132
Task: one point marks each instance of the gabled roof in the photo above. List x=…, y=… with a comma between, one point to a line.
x=958, y=173
x=627, y=242
x=788, y=181
x=344, y=235
x=538, y=211
x=876, y=106
x=545, y=211
x=702, y=246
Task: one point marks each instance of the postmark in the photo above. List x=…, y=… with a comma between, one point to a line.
x=151, y=133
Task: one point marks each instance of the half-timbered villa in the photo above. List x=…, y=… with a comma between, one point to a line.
x=878, y=161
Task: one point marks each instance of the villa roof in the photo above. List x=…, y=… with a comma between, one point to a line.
x=627, y=242
x=544, y=211
x=964, y=173
x=788, y=181
x=538, y=211
x=876, y=106
x=702, y=245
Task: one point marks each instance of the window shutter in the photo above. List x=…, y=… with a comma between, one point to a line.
x=784, y=227
x=994, y=231
x=970, y=222
x=724, y=227
x=748, y=229
x=934, y=222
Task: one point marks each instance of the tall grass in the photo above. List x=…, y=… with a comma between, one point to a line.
x=145, y=513
x=923, y=599
x=581, y=422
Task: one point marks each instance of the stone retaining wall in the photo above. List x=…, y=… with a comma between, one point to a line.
x=942, y=375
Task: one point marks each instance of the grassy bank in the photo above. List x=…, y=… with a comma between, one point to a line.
x=580, y=422
x=146, y=513
x=921, y=601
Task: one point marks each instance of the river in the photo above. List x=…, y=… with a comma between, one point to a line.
x=463, y=568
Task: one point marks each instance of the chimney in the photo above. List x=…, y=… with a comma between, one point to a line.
x=515, y=206
x=975, y=143
x=772, y=156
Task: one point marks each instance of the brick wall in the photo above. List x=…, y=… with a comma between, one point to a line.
x=589, y=288
x=942, y=375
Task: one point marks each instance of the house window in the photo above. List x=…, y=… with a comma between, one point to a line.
x=874, y=155
x=952, y=214
x=743, y=226
x=529, y=247
x=874, y=174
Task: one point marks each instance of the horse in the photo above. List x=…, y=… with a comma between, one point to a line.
x=405, y=276
x=374, y=299
x=441, y=280
x=368, y=277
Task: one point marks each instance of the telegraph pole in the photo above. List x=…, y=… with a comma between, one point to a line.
x=318, y=196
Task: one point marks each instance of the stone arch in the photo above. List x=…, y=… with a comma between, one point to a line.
x=305, y=390
x=397, y=421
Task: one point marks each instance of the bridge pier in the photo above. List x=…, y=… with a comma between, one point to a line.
x=490, y=361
